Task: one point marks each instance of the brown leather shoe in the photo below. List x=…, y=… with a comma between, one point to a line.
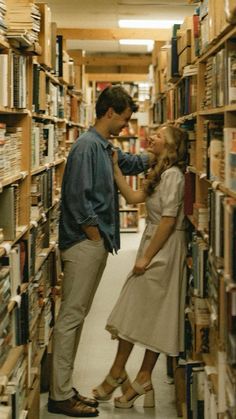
x=86, y=400
x=71, y=407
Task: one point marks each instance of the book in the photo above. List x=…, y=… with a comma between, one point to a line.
x=230, y=157
x=189, y=192
x=15, y=272
x=230, y=238
x=8, y=213
x=3, y=79
x=189, y=365
x=197, y=392
x=231, y=77
x=216, y=149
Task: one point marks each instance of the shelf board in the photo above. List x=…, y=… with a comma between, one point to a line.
x=124, y=137
x=40, y=259
x=47, y=166
x=129, y=230
x=51, y=76
x=6, y=110
x=229, y=283
x=227, y=191
x=128, y=209
x=75, y=124
x=10, y=363
x=20, y=231
x=220, y=185
x=12, y=179
x=230, y=108
x=47, y=117
x=183, y=118
x=213, y=111
x=4, y=43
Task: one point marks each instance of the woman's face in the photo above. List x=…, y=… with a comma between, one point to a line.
x=157, y=142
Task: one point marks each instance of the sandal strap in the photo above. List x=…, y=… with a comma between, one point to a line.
x=114, y=382
x=140, y=388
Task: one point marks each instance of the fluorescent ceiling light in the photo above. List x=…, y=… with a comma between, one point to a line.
x=148, y=24
x=146, y=42
x=136, y=42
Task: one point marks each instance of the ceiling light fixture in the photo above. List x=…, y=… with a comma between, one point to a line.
x=148, y=42
x=148, y=24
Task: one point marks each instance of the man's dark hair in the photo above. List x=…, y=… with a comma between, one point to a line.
x=115, y=97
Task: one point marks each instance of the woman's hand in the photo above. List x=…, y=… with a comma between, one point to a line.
x=114, y=157
x=141, y=265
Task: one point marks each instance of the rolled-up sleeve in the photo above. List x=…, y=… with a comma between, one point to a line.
x=132, y=164
x=79, y=188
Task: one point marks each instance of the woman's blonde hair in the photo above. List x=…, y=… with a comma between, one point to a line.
x=174, y=154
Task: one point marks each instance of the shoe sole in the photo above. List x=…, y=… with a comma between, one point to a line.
x=60, y=412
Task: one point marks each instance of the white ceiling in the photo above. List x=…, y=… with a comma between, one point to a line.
x=94, y=14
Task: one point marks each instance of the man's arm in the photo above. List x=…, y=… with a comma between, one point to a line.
x=92, y=232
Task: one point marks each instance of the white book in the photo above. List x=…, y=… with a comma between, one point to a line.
x=3, y=79
x=5, y=412
x=231, y=77
x=230, y=157
x=15, y=275
x=218, y=220
x=35, y=147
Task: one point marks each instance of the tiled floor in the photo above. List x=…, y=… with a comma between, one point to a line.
x=96, y=349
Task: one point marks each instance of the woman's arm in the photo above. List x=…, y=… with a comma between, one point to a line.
x=163, y=232
x=131, y=196
x=133, y=164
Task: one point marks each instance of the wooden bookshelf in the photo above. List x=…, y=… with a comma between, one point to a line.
x=33, y=153
x=210, y=307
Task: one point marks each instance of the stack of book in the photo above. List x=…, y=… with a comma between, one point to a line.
x=23, y=21
x=3, y=25
x=201, y=216
x=5, y=294
x=13, y=154
x=5, y=79
x=2, y=149
x=209, y=99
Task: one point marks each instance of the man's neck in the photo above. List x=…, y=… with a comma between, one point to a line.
x=102, y=129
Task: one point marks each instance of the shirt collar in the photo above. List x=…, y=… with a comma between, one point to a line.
x=104, y=142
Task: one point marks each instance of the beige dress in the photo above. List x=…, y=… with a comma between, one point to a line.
x=150, y=308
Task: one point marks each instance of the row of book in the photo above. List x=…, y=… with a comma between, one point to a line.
x=218, y=149
x=29, y=321
x=46, y=143
x=13, y=91
x=218, y=222
x=197, y=386
x=50, y=98
x=129, y=219
x=219, y=79
x=10, y=150
x=48, y=95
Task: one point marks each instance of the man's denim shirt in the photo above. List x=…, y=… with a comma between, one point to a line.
x=89, y=195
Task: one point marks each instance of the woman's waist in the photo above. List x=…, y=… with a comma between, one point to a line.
x=150, y=224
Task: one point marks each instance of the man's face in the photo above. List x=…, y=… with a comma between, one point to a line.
x=119, y=121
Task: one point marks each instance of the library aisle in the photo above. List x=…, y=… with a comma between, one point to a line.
x=96, y=349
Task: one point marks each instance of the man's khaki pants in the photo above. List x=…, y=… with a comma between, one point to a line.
x=83, y=266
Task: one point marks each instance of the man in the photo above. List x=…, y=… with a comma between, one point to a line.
x=88, y=230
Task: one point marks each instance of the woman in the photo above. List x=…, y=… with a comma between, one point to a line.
x=150, y=309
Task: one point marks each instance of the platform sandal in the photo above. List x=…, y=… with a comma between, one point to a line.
x=145, y=389
x=100, y=394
